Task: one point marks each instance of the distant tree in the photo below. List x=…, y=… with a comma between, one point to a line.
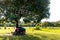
x=57, y=24
x=47, y=24
x=15, y=9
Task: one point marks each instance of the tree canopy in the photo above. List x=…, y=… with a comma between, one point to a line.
x=15, y=9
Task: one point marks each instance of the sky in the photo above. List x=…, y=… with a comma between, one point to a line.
x=54, y=11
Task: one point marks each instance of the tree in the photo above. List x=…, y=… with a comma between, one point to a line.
x=47, y=24
x=15, y=9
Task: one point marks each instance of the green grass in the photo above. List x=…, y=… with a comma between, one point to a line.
x=31, y=34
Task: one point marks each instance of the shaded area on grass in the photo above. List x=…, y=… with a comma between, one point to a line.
x=21, y=37
x=33, y=36
x=48, y=36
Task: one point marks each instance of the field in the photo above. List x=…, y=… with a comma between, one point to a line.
x=31, y=34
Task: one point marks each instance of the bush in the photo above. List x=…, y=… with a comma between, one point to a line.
x=37, y=27
x=4, y=27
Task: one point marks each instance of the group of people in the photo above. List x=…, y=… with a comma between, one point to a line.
x=19, y=31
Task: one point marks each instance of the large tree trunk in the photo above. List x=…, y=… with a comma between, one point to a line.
x=16, y=23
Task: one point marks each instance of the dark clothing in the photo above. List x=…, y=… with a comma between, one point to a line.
x=20, y=31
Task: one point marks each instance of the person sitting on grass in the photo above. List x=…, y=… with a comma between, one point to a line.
x=19, y=31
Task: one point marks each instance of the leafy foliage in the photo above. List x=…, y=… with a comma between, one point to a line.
x=38, y=9
x=50, y=24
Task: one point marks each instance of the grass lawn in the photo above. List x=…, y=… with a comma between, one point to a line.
x=31, y=34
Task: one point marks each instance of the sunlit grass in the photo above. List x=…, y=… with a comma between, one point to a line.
x=53, y=30
x=31, y=34
x=7, y=30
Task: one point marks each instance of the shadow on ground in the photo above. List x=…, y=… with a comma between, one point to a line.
x=48, y=36
x=21, y=37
